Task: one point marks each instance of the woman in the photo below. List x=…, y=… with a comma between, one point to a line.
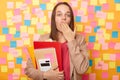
x=75, y=56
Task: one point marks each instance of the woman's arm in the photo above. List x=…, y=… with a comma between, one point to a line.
x=79, y=55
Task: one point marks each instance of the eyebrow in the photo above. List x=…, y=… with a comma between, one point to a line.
x=60, y=11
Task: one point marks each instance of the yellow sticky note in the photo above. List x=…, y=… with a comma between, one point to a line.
x=9, y=22
x=89, y=70
x=50, y=6
x=102, y=1
x=18, y=4
x=97, y=46
x=101, y=22
x=79, y=28
x=19, y=52
x=27, y=41
x=53, y=1
x=107, y=36
x=97, y=60
x=23, y=78
x=112, y=65
x=31, y=30
x=93, y=2
x=46, y=28
x=23, y=29
x=4, y=68
x=35, y=2
x=84, y=10
x=106, y=56
x=9, y=14
x=43, y=20
x=27, y=10
x=2, y=38
x=110, y=16
x=12, y=30
x=117, y=7
x=10, y=57
x=34, y=21
x=17, y=70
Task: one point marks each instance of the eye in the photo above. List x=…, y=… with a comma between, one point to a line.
x=68, y=15
x=59, y=14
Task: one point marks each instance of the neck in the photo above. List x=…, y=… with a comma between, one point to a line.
x=61, y=38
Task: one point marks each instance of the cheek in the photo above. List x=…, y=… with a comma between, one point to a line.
x=57, y=20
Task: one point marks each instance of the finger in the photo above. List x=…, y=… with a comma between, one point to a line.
x=55, y=68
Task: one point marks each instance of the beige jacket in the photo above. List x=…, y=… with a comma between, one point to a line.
x=79, y=59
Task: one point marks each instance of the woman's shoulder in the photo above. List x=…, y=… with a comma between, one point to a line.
x=45, y=37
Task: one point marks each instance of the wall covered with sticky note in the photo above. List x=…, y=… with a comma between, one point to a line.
x=23, y=21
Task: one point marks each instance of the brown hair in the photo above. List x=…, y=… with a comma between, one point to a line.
x=53, y=33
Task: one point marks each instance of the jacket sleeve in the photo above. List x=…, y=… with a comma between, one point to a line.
x=79, y=54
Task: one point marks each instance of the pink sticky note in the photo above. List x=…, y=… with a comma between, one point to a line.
x=92, y=76
x=108, y=25
x=18, y=25
x=23, y=6
x=117, y=46
x=9, y=37
x=105, y=46
x=24, y=35
x=105, y=66
x=101, y=40
x=49, y=14
x=115, y=77
x=104, y=74
x=10, y=77
x=17, y=18
x=10, y=5
x=90, y=9
x=28, y=1
x=113, y=57
x=2, y=60
x=90, y=45
x=22, y=71
x=39, y=13
x=105, y=6
x=45, y=0
x=91, y=17
x=16, y=11
x=15, y=76
x=5, y=48
x=93, y=23
x=80, y=13
x=111, y=44
x=75, y=12
x=33, y=10
x=19, y=43
x=95, y=54
x=88, y=29
x=36, y=37
x=13, y=52
x=27, y=17
x=3, y=23
x=118, y=56
x=23, y=64
x=85, y=77
x=39, y=25
x=101, y=14
x=11, y=65
x=84, y=19
x=74, y=3
x=84, y=4
x=98, y=66
x=50, y=56
x=118, y=24
x=25, y=50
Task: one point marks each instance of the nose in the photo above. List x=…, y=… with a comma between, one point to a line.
x=63, y=17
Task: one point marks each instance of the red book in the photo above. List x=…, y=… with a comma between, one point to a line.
x=56, y=45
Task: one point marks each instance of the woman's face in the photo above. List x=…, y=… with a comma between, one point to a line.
x=63, y=15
